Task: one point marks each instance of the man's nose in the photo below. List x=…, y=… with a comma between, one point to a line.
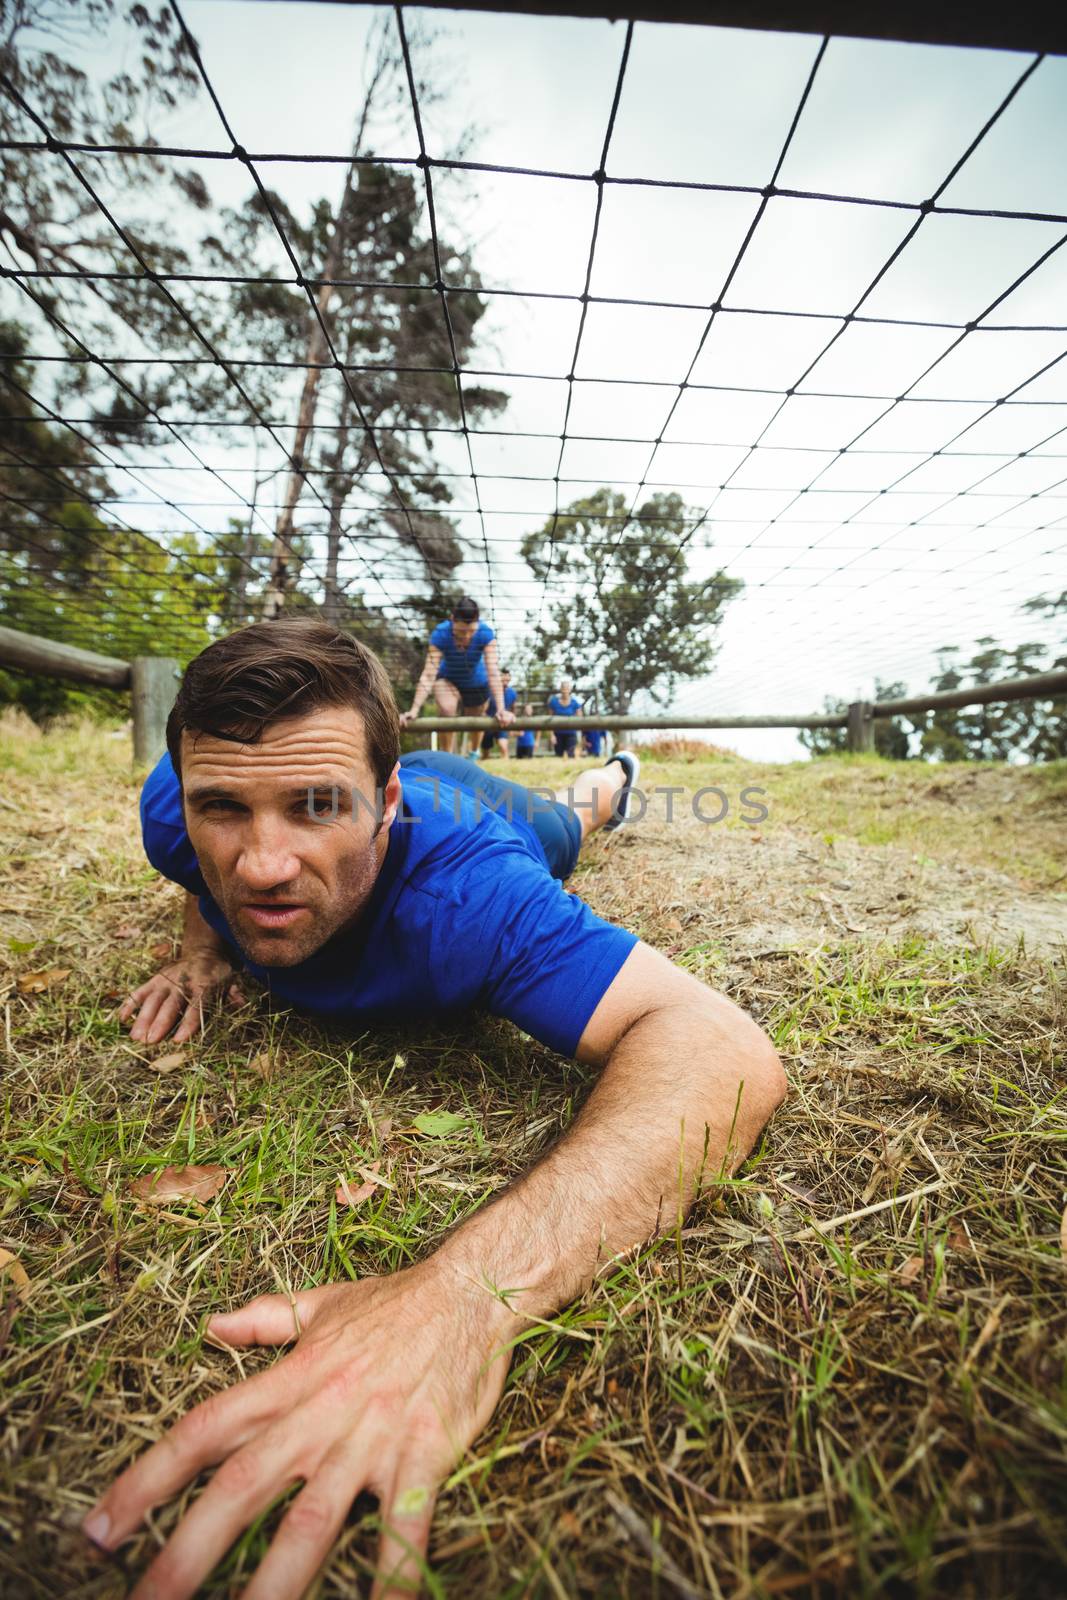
x=267, y=860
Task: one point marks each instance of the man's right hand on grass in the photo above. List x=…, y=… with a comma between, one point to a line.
x=178, y=995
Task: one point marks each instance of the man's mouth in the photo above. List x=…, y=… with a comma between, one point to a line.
x=272, y=915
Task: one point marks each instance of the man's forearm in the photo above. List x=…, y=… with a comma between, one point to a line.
x=680, y=1103
x=198, y=937
x=423, y=687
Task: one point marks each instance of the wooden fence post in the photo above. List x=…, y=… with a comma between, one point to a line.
x=153, y=685
x=860, y=726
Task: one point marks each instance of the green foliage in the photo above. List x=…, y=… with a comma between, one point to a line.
x=892, y=735
x=50, y=222
x=1019, y=729
x=1034, y=730
x=632, y=618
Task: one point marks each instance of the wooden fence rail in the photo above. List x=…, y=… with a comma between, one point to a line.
x=153, y=682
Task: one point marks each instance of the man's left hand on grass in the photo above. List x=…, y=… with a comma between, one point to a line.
x=388, y=1382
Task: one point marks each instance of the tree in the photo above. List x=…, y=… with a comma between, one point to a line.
x=892, y=735
x=1033, y=730
x=51, y=223
x=632, y=618
x=1013, y=730
x=371, y=260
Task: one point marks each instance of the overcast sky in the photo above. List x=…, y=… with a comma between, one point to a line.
x=888, y=553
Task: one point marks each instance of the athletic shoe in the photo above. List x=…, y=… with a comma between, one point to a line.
x=631, y=765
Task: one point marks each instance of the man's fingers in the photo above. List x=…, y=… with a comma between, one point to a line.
x=269, y=1319
x=406, y=1517
x=203, y=1436
x=192, y=1021
x=241, y=1490
x=158, y=1014
x=236, y=995
x=308, y=1530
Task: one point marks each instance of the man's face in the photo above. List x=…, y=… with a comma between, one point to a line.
x=286, y=881
x=463, y=632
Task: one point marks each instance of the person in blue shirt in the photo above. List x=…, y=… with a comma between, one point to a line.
x=424, y=902
x=526, y=740
x=510, y=697
x=592, y=740
x=462, y=669
x=563, y=704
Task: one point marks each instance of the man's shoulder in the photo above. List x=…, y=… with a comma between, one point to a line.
x=454, y=843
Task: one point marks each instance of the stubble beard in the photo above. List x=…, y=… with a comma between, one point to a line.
x=330, y=913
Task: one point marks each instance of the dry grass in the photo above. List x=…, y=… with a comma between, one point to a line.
x=849, y=1375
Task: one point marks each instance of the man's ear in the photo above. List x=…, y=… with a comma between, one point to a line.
x=391, y=798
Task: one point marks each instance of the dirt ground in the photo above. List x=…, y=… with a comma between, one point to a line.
x=846, y=1375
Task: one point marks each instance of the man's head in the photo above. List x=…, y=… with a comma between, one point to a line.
x=565, y=687
x=263, y=716
x=505, y=676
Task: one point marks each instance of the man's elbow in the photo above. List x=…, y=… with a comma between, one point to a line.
x=759, y=1062
x=778, y=1083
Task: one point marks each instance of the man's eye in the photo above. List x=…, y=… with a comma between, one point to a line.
x=219, y=805
x=322, y=805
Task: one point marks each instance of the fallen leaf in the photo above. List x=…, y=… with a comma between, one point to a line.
x=126, y=930
x=755, y=837
x=38, y=982
x=384, y=1127
x=161, y=950
x=263, y=1064
x=911, y=1269
x=438, y=1124
x=13, y=1275
x=168, y=1063
x=179, y=1183
x=347, y=1196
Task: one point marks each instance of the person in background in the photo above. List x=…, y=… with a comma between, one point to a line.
x=526, y=742
x=462, y=668
x=592, y=741
x=500, y=739
x=564, y=704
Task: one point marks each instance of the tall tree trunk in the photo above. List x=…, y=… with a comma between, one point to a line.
x=331, y=604
x=280, y=575
x=280, y=579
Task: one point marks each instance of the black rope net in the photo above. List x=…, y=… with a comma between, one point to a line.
x=816, y=287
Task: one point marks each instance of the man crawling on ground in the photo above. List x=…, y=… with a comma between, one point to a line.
x=368, y=887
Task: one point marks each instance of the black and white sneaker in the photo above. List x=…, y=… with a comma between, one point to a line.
x=631, y=765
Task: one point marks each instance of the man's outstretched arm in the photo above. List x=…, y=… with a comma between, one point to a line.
x=391, y=1379
x=688, y=1082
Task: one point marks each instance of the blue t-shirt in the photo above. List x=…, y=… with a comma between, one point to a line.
x=464, y=668
x=558, y=709
x=464, y=913
x=593, y=738
x=526, y=738
x=510, y=697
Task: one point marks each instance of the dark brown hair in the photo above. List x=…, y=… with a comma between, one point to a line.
x=241, y=685
x=466, y=610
